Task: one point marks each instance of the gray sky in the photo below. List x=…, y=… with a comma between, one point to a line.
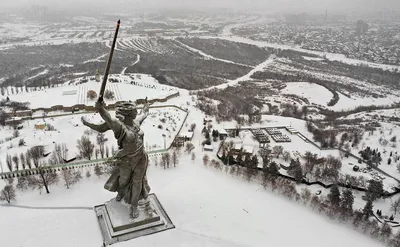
x=271, y=5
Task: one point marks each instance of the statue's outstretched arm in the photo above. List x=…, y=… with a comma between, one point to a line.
x=143, y=115
x=103, y=127
x=112, y=123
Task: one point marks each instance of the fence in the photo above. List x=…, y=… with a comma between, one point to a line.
x=59, y=167
x=82, y=107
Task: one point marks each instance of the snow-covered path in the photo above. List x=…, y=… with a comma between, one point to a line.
x=97, y=59
x=246, y=77
x=137, y=60
x=208, y=57
x=38, y=74
x=56, y=208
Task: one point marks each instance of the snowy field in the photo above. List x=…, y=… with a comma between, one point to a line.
x=69, y=129
x=202, y=214
x=316, y=94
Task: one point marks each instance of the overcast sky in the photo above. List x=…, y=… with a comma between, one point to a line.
x=267, y=5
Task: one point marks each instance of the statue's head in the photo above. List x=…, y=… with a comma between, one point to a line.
x=125, y=110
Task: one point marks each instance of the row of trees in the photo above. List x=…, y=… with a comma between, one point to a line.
x=167, y=159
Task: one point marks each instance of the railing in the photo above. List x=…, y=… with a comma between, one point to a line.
x=58, y=167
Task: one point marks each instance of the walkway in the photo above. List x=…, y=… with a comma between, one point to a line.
x=51, y=208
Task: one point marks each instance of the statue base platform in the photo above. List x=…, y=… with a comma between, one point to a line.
x=116, y=225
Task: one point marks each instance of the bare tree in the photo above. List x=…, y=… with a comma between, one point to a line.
x=9, y=162
x=386, y=231
x=15, y=159
x=193, y=156
x=395, y=206
x=36, y=153
x=8, y=194
x=278, y=150
x=101, y=140
x=189, y=147
x=109, y=94
x=91, y=94
x=45, y=177
x=22, y=183
x=98, y=170
x=166, y=160
x=107, y=151
x=23, y=161
x=206, y=159
x=85, y=147
x=175, y=158
x=70, y=177
x=155, y=160
x=61, y=152
x=305, y=195
x=16, y=133
x=28, y=159
x=286, y=156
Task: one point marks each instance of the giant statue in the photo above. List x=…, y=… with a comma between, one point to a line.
x=128, y=177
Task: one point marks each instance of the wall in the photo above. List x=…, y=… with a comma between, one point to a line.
x=91, y=108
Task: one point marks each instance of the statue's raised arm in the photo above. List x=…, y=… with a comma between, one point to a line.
x=103, y=127
x=144, y=113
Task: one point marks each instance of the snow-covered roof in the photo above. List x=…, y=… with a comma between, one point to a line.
x=186, y=134
x=22, y=111
x=208, y=147
x=237, y=146
x=222, y=131
x=13, y=119
x=248, y=149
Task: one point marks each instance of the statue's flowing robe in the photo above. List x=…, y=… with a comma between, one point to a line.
x=128, y=177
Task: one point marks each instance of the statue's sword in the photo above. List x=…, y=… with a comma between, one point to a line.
x=105, y=78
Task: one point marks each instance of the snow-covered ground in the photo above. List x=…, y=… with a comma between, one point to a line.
x=313, y=92
x=69, y=129
x=319, y=95
x=213, y=209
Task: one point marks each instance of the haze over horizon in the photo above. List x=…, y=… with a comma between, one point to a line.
x=334, y=6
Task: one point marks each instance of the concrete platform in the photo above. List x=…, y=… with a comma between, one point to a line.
x=116, y=226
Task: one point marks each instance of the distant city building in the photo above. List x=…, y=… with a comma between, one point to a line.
x=362, y=27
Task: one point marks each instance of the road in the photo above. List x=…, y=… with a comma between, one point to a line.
x=247, y=77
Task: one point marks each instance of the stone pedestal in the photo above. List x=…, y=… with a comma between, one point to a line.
x=116, y=225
